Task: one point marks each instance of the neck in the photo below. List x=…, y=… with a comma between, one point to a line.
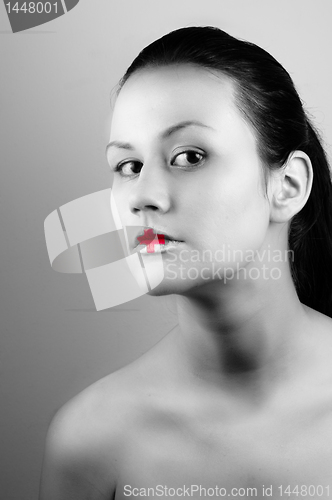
x=242, y=334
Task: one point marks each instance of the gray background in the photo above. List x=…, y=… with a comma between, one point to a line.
x=54, y=103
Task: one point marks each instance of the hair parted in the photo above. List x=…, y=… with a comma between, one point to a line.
x=266, y=95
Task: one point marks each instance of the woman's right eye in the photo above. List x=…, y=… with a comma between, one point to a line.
x=128, y=168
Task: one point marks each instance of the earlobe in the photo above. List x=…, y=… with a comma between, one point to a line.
x=291, y=187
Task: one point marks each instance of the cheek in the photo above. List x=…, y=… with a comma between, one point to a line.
x=234, y=214
x=249, y=221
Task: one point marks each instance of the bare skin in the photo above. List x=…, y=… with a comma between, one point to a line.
x=239, y=394
x=156, y=423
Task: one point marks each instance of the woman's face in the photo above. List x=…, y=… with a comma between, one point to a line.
x=188, y=167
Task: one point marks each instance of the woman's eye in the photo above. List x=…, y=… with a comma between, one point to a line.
x=188, y=159
x=129, y=168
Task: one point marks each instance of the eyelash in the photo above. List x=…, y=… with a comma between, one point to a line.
x=119, y=167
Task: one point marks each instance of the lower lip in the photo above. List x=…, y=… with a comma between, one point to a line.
x=161, y=247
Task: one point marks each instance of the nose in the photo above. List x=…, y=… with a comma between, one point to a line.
x=151, y=191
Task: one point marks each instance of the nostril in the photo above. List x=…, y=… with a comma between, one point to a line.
x=135, y=210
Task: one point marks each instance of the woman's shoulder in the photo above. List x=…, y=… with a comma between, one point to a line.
x=113, y=403
x=87, y=433
x=319, y=321
x=103, y=407
x=319, y=329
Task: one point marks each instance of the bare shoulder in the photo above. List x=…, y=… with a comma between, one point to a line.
x=320, y=333
x=319, y=322
x=87, y=435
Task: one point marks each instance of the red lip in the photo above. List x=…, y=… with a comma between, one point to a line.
x=151, y=236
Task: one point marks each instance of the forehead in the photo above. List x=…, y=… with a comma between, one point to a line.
x=154, y=99
x=180, y=78
x=175, y=92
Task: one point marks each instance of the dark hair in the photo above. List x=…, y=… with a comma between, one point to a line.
x=266, y=95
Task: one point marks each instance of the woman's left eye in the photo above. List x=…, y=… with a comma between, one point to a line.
x=188, y=159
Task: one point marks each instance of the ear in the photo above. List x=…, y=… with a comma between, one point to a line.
x=290, y=187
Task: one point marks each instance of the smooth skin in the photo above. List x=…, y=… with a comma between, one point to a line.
x=238, y=394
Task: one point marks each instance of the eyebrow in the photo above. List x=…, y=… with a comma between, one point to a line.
x=165, y=134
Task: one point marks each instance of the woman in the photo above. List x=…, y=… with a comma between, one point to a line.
x=213, y=152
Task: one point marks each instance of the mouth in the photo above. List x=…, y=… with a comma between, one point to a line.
x=155, y=241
